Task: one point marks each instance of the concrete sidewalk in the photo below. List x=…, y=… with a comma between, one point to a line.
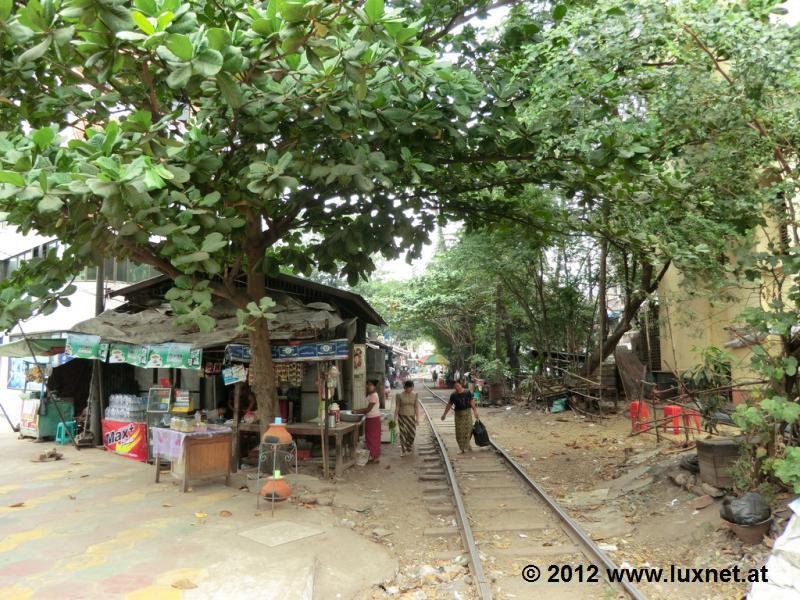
x=95, y=525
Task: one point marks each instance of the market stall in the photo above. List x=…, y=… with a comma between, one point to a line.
x=41, y=412
x=299, y=367
x=133, y=413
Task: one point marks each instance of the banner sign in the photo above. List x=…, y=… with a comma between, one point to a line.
x=127, y=353
x=126, y=439
x=359, y=384
x=80, y=345
x=157, y=356
x=306, y=352
x=173, y=356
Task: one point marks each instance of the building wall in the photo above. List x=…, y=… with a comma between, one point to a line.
x=692, y=321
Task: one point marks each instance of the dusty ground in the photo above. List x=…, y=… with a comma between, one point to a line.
x=617, y=487
x=94, y=525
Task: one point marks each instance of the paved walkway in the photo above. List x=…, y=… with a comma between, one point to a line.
x=94, y=525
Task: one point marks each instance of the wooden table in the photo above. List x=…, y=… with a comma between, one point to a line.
x=340, y=432
x=198, y=455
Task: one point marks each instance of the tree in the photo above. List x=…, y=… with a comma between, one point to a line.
x=217, y=142
x=615, y=108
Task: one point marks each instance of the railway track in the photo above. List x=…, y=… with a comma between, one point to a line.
x=506, y=522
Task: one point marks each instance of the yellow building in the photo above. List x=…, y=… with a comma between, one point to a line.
x=691, y=321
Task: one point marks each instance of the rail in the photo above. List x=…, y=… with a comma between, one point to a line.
x=571, y=528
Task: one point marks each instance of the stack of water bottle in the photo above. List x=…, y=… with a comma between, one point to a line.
x=126, y=407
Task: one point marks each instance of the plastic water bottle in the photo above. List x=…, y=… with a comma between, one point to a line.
x=197, y=419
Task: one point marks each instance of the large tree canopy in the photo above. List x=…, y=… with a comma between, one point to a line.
x=217, y=141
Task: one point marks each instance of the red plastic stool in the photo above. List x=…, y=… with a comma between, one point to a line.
x=688, y=415
x=639, y=416
x=670, y=410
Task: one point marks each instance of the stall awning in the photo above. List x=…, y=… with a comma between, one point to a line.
x=156, y=325
x=40, y=346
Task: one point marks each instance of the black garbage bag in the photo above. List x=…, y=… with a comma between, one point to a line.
x=691, y=463
x=480, y=434
x=747, y=510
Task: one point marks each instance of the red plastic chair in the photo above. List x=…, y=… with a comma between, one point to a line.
x=688, y=415
x=639, y=416
x=670, y=410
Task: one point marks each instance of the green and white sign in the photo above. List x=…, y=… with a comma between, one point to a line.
x=80, y=345
x=128, y=354
x=173, y=356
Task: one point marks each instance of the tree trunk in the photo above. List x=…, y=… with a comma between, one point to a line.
x=262, y=378
x=498, y=327
x=511, y=349
x=95, y=399
x=648, y=286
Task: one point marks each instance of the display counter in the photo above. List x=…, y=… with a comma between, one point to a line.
x=193, y=456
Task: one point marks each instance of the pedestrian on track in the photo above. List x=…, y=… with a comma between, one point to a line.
x=464, y=408
x=406, y=413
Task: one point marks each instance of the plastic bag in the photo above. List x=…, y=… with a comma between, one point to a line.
x=750, y=509
x=691, y=463
x=362, y=454
x=480, y=434
x=559, y=405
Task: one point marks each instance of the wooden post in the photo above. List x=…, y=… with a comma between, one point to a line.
x=323, y=424
x=237, y=391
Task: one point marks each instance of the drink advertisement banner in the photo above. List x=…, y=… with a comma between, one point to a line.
x=126, y=439
x=81, y=345
x=128, y=353
x=175, y=356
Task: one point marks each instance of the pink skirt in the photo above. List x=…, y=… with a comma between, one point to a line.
x=372, y=435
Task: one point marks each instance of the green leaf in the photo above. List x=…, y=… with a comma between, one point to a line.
x=43, y=137
x=13, y=178
x=314, y=60
x=374, y=10
x=210, y=199
x=180, y=77
x=49, y=204
x=36, y=52
x=205, y=323
x=559, y=12
x=218, y=39
x=146, y=6
x=112, y=133
x=229, y=89
x=208, y=62
x=190, y=258
x=263, y=27
x=180, y=45
x=5, y=9
x=164, y=21
x=131, y=36
x=143, y=23
x=213, y=242
x=294, y=12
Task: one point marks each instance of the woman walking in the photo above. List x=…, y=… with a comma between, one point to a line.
x=372, y=424
x=462, y=404
x=406, y=413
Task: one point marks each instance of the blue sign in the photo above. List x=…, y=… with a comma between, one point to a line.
x=306, y=352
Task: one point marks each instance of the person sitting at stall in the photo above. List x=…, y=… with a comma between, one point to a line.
x=250, y=407
x=372, y=424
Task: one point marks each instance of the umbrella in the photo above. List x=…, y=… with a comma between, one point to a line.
x=436, y=359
